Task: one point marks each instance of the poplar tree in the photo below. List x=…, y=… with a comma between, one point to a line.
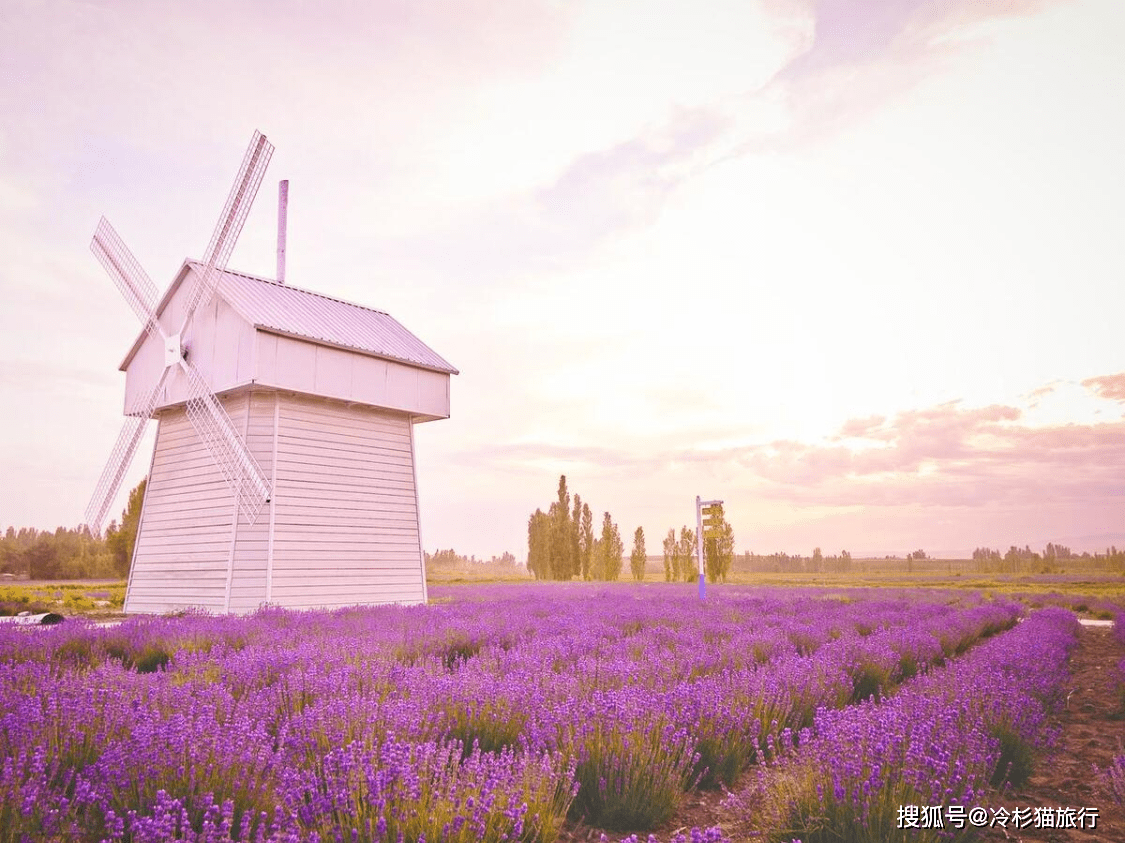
x=688, y=566
x=562, y=561
x=612, y=549
x=539, y=545
x=718, y=553
x=637, y=559
x=670, y=573
x=576, y=536
x=587, y=540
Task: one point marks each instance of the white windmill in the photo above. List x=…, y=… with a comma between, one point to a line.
x=283, y=471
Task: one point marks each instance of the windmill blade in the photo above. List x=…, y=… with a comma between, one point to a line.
x=216, y=431
x=127, y=274
x=120, y=458
x=231, y=220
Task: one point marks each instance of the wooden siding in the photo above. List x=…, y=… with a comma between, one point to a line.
x=251, y=544
x=183, y=540
x=344, y=512
x=346, y=520
x=293, y=364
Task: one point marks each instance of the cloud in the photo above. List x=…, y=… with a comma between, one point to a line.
x=1043, y=391
x=1107, y=386
x=597, y=197
x=862, y=55
x=867, y=428
x=946, y=455
x=852, y=33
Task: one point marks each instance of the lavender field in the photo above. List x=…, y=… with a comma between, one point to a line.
x=505, y=712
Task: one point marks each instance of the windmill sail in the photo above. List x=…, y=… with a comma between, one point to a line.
x=120, y=458
x=230, y=223
x=211, y=422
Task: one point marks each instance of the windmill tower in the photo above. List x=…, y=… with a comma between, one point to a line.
x=283, y=471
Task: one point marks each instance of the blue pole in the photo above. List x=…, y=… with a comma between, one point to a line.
x=702, y=587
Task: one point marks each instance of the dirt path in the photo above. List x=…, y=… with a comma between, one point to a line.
x=1092, y=730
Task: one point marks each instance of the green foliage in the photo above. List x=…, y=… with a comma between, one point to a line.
x=576, y=538
x=870, y=678
x=631, y=775
x=611, y=551
x=587, y=540
x=82, y=654
x=1017, y=757
x=539, y=546
x=65, y=598
x=448, y=566
x=684, y=563
x=122, y=540
x=718, y=553
x=814, y=814
x=670, y=572
x=554, y=540
x=564, y=563
x=637, y=558
x=76, y=553
x=418, y=792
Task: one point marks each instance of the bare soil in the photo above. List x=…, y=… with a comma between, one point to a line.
x=1092, y=731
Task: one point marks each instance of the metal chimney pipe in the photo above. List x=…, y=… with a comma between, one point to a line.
x=282, y=212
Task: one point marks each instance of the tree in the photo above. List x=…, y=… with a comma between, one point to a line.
x=42, y=558
x=123, y=539
x=670, y=573
x=563, y=565
x=686, y=555
x=610, y=551
x=718, y=553
x=539, y=545
x=576, y=537
x=639, y=555
x=816, y=564
x=587, y=540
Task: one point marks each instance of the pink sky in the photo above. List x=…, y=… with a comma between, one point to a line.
x=853, y=267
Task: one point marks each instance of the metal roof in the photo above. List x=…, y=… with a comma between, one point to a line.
x=292, y=311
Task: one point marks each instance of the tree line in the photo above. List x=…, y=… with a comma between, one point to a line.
x=74, y=553
x=681, y=560
x=1017, y=559
x=452, y=559
x=817, y=563
x=561, y=543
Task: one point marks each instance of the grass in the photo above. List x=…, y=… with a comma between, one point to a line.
x=1087, y=593
x=65, y=598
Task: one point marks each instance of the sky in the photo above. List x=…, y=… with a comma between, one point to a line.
x=854, y=268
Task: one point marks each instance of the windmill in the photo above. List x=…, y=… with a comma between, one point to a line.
x=244, y=372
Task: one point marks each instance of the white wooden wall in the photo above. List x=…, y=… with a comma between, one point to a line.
x=344, y=513
x=183, y=540
x=294, y=364
x=346, y=503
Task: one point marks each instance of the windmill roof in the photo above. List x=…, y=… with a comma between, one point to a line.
x=284, y=309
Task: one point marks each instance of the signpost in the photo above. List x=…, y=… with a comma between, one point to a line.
x=713, y=510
